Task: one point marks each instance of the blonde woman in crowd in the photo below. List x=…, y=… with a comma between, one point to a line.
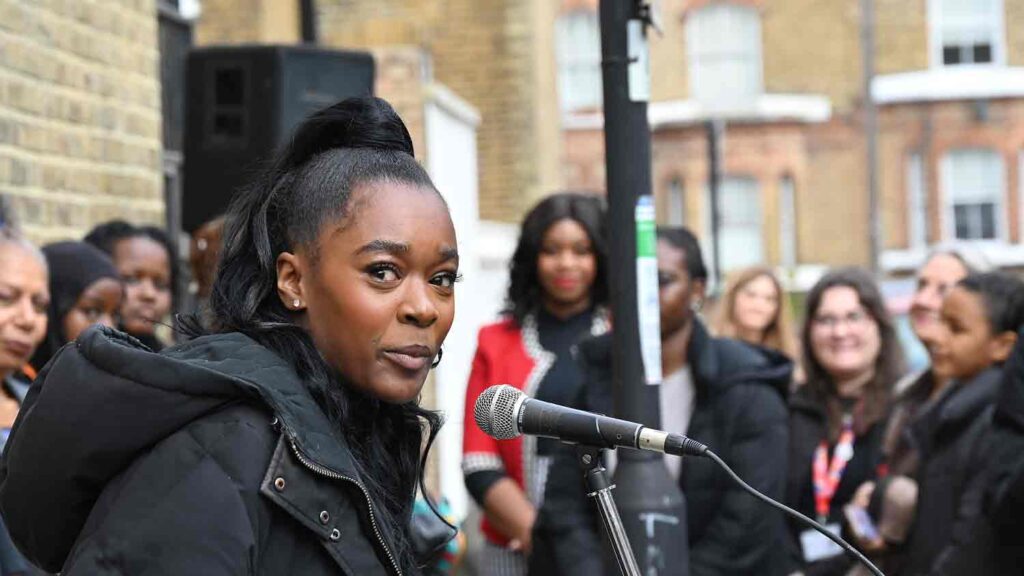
x=754, y=309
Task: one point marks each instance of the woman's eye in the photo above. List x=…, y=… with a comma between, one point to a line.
x=7, y=298
x=447, y=279
x=384, y=273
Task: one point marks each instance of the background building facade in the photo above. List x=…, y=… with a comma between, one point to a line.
x=785, y=79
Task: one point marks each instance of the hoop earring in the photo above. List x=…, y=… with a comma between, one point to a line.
x=440, y=354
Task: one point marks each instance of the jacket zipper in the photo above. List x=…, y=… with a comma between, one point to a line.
x=327, y=473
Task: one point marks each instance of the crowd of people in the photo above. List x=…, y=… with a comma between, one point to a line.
x=119, y=276
x=921, y=471
x=283, y=433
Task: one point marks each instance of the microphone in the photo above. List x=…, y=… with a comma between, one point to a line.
x=503, y=412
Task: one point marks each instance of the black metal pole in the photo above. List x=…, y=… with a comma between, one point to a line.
x=651, y=504
x=714, y=129
x=307, y=14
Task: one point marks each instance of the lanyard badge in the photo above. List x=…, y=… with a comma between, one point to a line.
x=827, y=474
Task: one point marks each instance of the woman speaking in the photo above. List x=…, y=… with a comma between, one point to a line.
x=288, y=439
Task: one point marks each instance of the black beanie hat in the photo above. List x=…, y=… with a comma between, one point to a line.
x=74, y=266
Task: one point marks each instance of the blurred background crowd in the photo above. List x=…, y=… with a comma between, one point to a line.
x=869, y=162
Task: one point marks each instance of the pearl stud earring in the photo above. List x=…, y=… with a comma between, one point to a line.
x=296, y=303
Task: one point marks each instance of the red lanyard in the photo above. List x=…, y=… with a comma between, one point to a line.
x=827, y=475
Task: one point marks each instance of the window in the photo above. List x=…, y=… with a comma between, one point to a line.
x=723, y=44
x=740, y=227
x=974, y=187
x=787, y=222
x=917, y=205
x=579, y=61
x=676, y=203
x=968, y=31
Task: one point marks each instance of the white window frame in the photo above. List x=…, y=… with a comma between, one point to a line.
x=935, y=36
x=566, y=60
x=917, y=203
x=789, y=250
x=708, y=229
x=675, y=206
x=1020, y=196
x=693, y=53
x=949, y=215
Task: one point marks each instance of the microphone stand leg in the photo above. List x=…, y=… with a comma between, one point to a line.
x=599, y=488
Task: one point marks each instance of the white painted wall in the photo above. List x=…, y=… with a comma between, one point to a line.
x=484, y=250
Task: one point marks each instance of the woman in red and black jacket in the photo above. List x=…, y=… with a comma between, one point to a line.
x=555, y=299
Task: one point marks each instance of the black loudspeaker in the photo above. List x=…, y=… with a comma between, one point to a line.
x=243, y=103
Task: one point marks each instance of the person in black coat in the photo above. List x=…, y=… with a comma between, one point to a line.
x=980, y=317
x=1003, y=505
x=838, y=416
x=288, y=439
x=724, y=393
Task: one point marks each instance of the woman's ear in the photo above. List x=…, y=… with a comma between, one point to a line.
x=698, y=293
x=1002, y=346
x=290, y=270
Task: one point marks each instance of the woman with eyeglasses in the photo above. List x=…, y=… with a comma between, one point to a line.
x=852, y=360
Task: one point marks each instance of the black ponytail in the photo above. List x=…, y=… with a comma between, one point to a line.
x=309, y=185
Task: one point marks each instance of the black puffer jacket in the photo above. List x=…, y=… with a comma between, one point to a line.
x=740, y=412
x=954, y=439
x=210, y=458
x=1004, y=500
x=807, y=428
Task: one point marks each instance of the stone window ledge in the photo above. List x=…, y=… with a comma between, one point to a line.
x=807, y=108
x=950, y=83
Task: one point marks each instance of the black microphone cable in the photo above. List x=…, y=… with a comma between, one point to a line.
x=817, y=526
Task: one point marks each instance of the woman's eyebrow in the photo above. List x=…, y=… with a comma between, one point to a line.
x=449, y=253
x=382, y=245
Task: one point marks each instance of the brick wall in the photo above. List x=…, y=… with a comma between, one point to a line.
x=244, y=21
x=491, y=54
x=79, y=114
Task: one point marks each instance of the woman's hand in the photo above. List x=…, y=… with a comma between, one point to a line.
x=862, y=499
x=512, y=513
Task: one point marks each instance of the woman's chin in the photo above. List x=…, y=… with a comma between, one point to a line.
x=397, y=392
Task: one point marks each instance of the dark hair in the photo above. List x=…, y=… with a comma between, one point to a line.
x=308, y=185
x=524, y=290
x=683, y=239
x=1002, y=296
x=106, y=236
x=888, y=367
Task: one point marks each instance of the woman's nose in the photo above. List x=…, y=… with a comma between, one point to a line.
x=418, y=307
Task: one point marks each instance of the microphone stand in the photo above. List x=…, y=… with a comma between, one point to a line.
x=599, y=488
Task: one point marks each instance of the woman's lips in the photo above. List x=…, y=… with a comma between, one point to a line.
x=19, y=349
x=412, y=358
x=565, y=283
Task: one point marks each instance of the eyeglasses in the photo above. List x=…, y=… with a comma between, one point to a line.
x=851, y=320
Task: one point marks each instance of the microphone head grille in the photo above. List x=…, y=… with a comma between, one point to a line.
x=495, y=411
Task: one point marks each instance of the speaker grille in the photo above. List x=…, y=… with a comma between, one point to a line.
x=495, y=409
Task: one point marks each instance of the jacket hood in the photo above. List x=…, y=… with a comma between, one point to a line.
x=105, y=400
x=717, y=363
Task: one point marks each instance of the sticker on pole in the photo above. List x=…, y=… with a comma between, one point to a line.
x=639, y=62
x=648, y=308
